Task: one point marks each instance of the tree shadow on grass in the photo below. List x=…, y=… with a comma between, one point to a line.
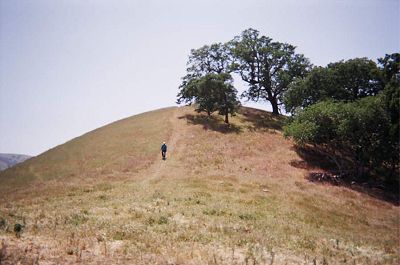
x=260, y=119
x=211, y=123
x=322, y=170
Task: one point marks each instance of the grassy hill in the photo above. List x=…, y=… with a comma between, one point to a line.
x=123, y=146
x=225, y=195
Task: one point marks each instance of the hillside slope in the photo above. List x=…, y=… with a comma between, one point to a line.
x=9, y=160
x=126, y=145
x=223, y=196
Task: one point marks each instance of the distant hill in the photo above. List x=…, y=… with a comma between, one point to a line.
x=9, y=160
x=225, y=195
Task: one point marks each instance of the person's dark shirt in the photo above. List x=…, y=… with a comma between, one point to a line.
x=164, y=148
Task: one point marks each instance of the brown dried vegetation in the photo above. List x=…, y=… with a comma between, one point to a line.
x=225, y=195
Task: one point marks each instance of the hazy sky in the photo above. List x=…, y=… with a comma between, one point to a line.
x=68, y=67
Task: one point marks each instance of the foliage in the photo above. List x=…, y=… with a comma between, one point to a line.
x=267, y=66
x=208, y=82
x=209, y=59
x=353, y=135
x=356, y=78
x=390, y=65
x=392, y=104
x=345, y=80
x=390, y=68
x=212, y=92
x=349, y=110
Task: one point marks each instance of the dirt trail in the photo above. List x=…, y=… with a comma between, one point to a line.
x=159, y=167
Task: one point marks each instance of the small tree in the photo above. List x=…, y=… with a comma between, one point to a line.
x=212, y=92
x=208, y=82
x=195, y=90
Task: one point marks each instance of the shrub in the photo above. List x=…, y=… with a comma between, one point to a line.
x=354, y=135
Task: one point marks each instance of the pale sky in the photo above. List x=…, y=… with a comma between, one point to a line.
x=68, y=67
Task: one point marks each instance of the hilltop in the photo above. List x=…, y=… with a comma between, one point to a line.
x=225, y=195
x=9, y=160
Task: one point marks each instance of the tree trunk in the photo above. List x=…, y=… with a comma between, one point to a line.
x=226, y=109
x=274, y=104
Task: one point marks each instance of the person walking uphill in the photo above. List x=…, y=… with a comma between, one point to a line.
x=163, y=150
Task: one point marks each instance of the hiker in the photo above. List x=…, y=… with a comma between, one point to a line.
x=163, y=150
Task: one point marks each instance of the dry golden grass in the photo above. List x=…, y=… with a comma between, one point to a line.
x=121, y=147
x=224, y=196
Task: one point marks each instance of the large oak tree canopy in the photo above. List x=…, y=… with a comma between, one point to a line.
x=267, y=66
